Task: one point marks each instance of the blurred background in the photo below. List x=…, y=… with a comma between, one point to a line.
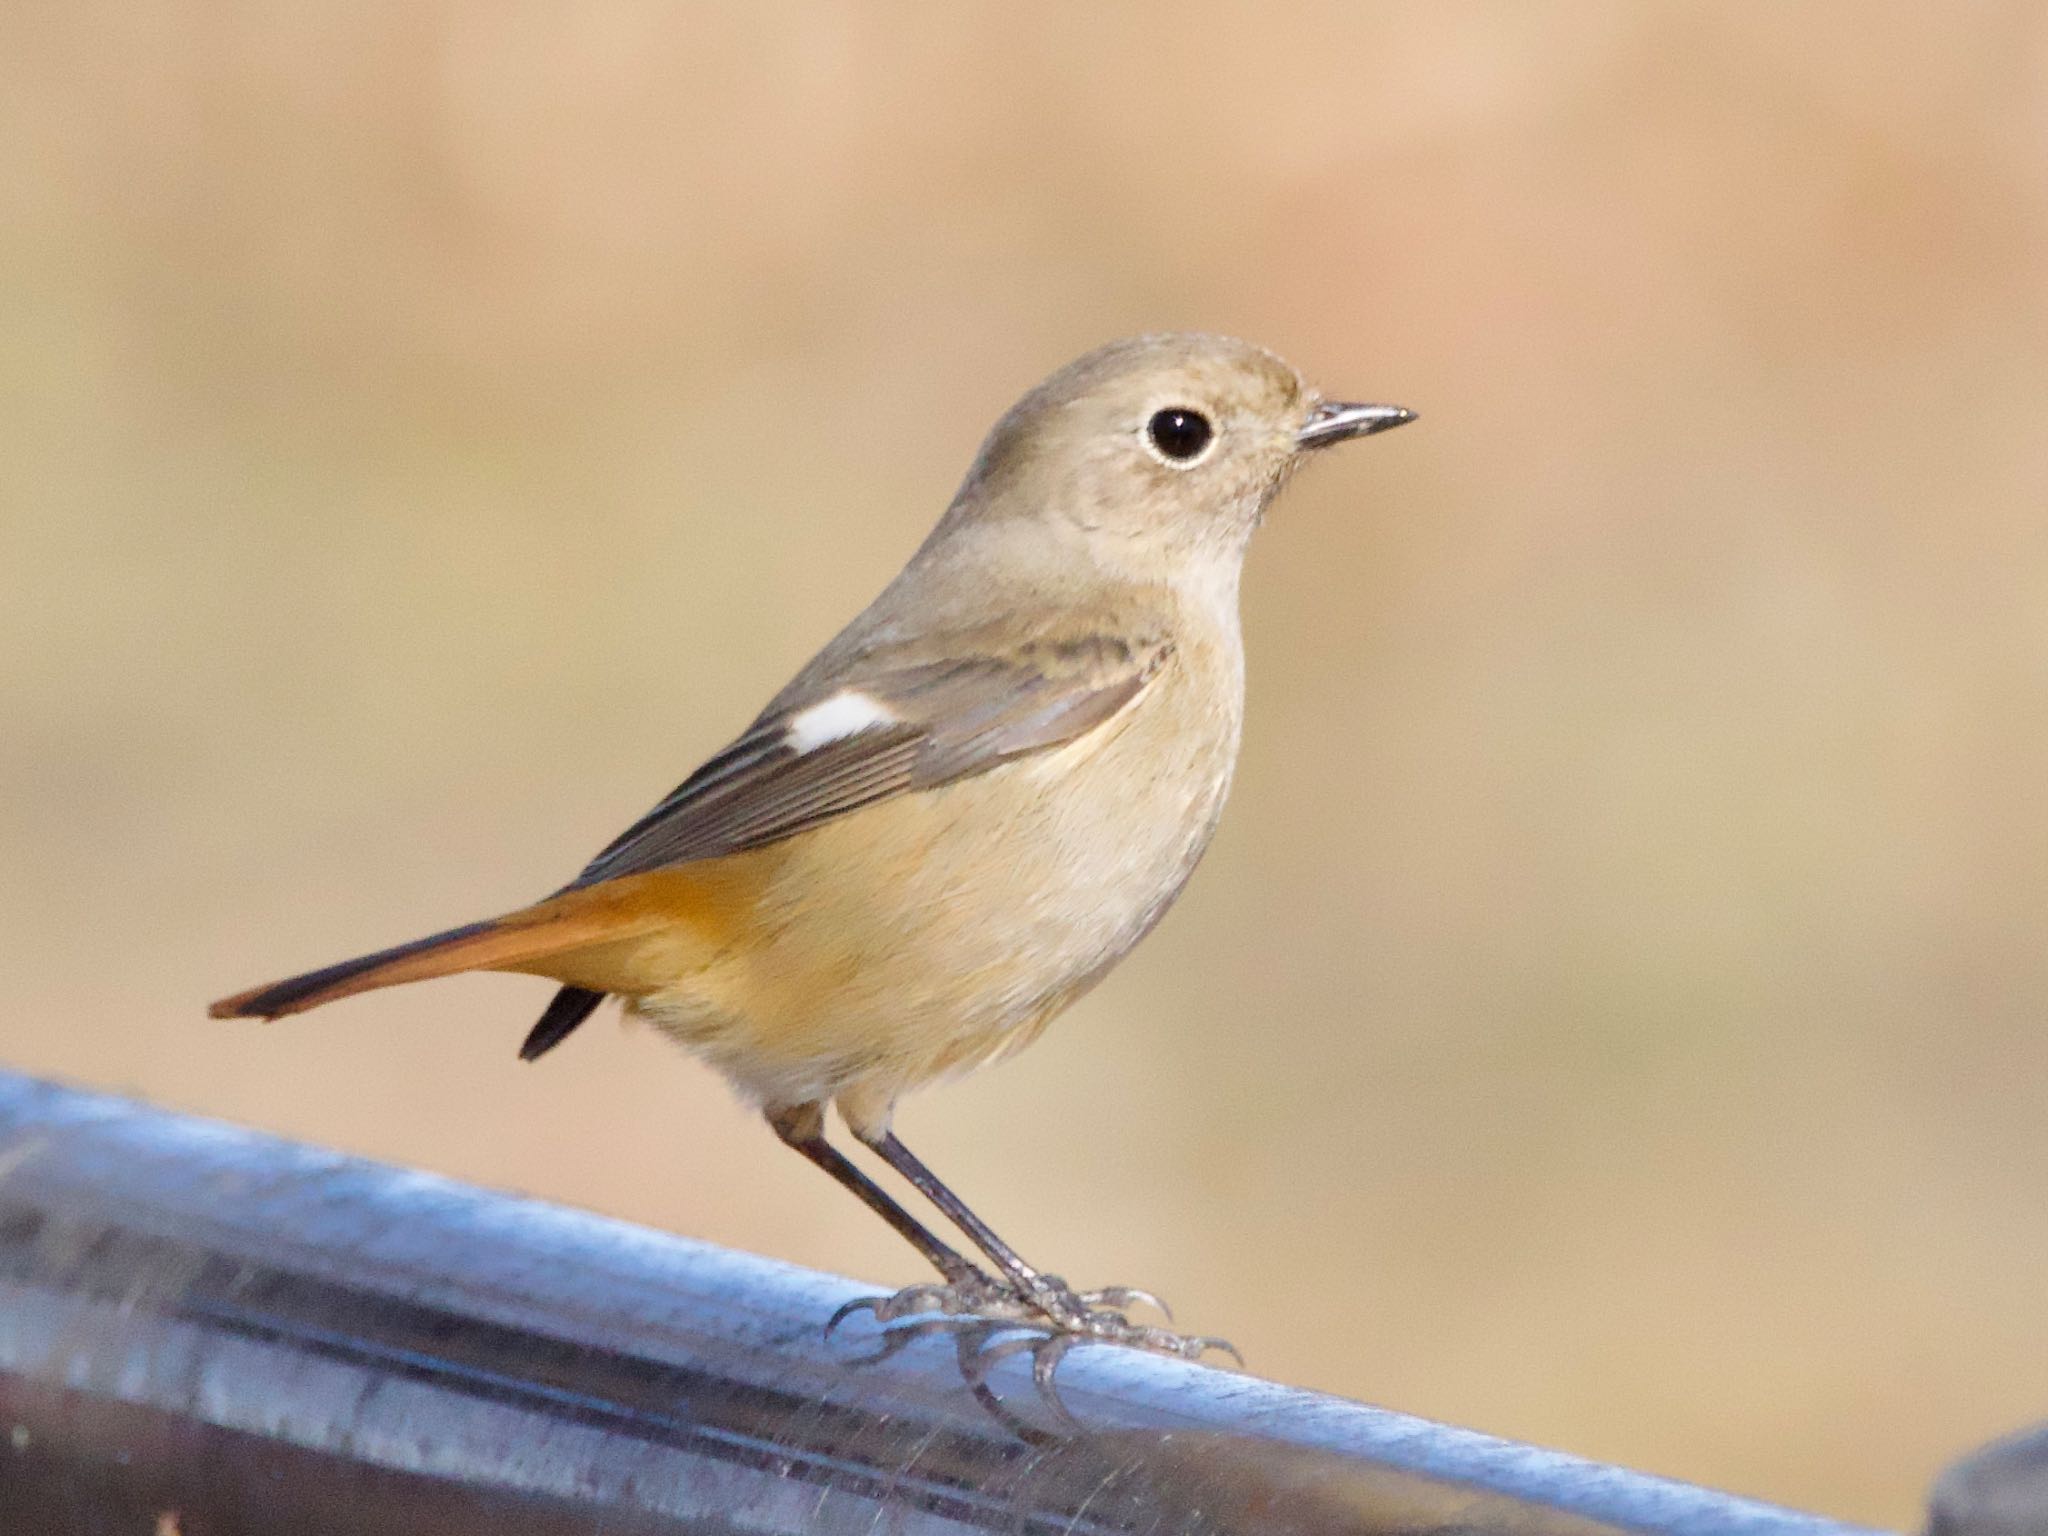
x=1612, y=1014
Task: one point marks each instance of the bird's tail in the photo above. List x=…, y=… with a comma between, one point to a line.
x=576, y=937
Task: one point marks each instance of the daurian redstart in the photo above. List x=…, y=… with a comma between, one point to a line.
x=965, y=809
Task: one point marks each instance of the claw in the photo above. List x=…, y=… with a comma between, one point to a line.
x=993, y=1354
x=914, y=1299
x=977, y=1298
x=1045, y=1362
x=858, y=1304
x=1123, y=1298
x=911, y=1301
x=1064, y=1316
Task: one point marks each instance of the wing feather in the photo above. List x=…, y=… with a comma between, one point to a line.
x=924, y=723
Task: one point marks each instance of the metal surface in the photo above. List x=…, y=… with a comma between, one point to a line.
x=1999, y=1490
x=209, y=1332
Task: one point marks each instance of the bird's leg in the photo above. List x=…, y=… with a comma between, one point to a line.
x=1047, y=1293
x=802, y=1126
x=1039, y=1297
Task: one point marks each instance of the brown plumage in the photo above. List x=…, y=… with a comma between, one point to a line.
x=970, y=804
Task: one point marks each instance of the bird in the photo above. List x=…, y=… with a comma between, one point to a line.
x=963, y=811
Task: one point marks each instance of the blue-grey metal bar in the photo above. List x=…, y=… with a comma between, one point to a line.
x=210, y=1332
x=1998, y=1490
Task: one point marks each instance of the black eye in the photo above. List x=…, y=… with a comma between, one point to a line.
x=1179, y=433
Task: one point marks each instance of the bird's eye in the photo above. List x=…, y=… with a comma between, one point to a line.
x=1179, y=433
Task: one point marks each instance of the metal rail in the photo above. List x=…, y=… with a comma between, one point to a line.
x=209, y=1332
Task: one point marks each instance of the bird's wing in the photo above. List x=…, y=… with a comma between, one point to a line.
x=885, y=725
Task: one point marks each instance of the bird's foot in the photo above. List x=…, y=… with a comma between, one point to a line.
x=1105, y=1315
x=1047, y=1303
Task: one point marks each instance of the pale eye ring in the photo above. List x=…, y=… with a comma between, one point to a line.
x=1179, y=434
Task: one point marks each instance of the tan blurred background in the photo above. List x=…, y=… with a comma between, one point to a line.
x=1612, y=1014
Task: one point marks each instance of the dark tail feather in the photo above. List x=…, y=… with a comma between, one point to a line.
x=572, y=1005
x=296, y=993
x=550, y=938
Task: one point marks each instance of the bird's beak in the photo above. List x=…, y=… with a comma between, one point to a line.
x=1335, y=421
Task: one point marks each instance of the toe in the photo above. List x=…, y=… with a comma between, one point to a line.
x=1123, y=1297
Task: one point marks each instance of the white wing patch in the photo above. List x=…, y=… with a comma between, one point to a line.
x=846, y=713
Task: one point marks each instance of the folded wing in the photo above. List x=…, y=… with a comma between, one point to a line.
x=885, y=725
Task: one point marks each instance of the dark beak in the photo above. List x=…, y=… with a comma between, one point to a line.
x=1334, y=421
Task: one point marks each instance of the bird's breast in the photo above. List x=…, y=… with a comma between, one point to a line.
x=997, y=892
x=934, y=929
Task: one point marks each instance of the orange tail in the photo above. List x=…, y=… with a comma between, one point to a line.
x=520, y=941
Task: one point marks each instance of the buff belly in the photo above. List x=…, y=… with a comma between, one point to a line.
x=934, y=931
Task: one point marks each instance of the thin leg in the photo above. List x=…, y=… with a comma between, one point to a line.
x=803, y=1128
x=1047, y=1291
x=1032, y=1297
